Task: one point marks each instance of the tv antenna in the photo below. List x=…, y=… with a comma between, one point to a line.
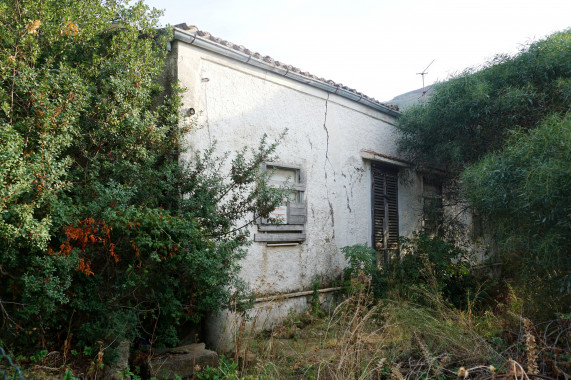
x=423, y=73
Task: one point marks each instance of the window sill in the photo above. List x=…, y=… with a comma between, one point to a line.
x=299, y=228
x=279, y=238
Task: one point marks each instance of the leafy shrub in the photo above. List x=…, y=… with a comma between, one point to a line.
x=227, y=369
x=501, y=134
x=425, y=262
x=360, y=258
x=523, y=191
x=471, y=114
x=96, y=241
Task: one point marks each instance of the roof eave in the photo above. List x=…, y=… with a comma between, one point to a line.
x=194, y=39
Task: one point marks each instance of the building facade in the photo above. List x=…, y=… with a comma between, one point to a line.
x=339, y=154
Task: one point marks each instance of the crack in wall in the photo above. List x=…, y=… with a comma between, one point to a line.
x=347, y=196
x=327, y=135
x=332, y=216
x=327, y=160
x=325, y=166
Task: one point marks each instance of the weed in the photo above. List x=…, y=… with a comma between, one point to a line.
x=68, y=375
x=227, y=369
x=38, y=357
x=315, y=303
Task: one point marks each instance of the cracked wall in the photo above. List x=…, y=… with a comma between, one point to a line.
x=326, y=134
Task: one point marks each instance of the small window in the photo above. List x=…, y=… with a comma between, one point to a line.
x=286, y=224
x=433, y=208
x=290, y=177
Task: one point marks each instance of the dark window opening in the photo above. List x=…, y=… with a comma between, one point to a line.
x=385, y=209
x=433, y=207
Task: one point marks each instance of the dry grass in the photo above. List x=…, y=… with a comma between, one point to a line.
x=363, y=338
x=395, y=339
x=366, y=339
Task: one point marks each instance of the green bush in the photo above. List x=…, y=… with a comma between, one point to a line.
x=523, y=193
x=472, y=113
x=425, y=263
x=434, y=263
x=360, y=258
x=97, y=242
x=501, y=134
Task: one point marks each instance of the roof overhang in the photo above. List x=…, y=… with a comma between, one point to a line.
x=193, y=38
x=386, y=159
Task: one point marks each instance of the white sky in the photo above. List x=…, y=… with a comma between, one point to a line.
x=375, y=47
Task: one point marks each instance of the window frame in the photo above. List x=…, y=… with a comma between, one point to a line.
x=432, y=219
x=292, y=232
x=385, y=211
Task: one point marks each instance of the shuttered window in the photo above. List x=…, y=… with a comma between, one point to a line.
x=286, y=224
x=385, y=207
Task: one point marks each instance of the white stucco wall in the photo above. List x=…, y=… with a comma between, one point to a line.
x=237, y=103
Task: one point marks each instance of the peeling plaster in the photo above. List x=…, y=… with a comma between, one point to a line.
x=326, y=134
x=348, y=201
x=332, y=214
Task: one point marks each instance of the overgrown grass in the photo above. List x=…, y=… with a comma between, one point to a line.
x=414, y=328
x=412, y=331
x=395, y=338
x=365, y=338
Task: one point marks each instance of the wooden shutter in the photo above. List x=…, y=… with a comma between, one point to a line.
x=385, y=207
x=292, y=228
x=296, y=213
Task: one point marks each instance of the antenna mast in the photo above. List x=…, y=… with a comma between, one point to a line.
x=423, y=73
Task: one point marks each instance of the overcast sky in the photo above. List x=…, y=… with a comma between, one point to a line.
x=376, y=47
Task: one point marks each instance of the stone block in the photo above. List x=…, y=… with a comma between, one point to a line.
x=183, y=361
x=113, y=371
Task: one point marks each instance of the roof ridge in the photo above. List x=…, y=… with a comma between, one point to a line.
x=240, y=48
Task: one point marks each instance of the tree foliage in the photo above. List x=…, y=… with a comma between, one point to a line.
x=96, y=241
x=502, y=134
x=473, y=113
x=523, y=192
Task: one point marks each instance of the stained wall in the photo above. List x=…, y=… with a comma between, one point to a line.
x=236, y=104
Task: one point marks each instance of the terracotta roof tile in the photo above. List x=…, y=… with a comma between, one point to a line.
x=270, y=60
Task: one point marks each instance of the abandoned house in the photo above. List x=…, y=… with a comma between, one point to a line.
x=340, y=153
